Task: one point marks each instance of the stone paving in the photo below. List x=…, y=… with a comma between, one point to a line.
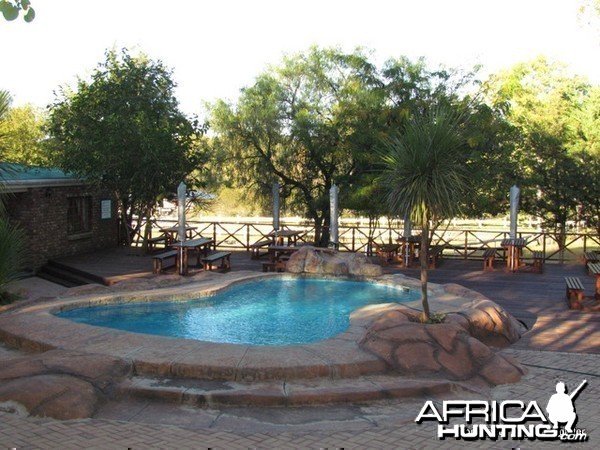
x=377, y=425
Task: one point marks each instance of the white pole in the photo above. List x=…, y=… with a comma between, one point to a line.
x=181, y=219
x=334, y=215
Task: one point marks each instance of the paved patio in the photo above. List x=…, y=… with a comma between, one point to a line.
x=562, y=345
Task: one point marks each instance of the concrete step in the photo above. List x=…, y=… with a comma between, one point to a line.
x=49, y=276
x=66, y=276
x=208, y=393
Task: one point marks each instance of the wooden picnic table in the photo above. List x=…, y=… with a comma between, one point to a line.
x=594, y=269
x=171, y=233
x=277, y=251
x=387, y=252
x=201, y=245
x=514, y=249
x=410, y=246
x=279, y=236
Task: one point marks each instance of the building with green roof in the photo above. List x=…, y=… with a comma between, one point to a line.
x=61, y=214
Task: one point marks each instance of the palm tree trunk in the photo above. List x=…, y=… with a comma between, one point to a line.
x=423, y=256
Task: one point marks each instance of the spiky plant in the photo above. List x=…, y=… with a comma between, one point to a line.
x=425, y=176
x=12, y=257
x=12, y=238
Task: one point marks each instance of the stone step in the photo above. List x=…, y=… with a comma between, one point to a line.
x=67, y=276
x=208, y=393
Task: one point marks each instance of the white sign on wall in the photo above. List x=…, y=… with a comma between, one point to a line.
x=105, y=209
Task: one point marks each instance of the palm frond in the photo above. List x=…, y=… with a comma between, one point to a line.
x=423, y=167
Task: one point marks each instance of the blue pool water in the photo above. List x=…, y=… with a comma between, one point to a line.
x=265, y=312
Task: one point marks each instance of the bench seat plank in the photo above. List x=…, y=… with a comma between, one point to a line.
x=159, y=260
x=255, y=248
x=224, y=257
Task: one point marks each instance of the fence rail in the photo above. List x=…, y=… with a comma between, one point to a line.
x=459, y=244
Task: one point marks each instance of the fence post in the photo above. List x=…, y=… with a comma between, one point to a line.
x=466, y=245
x=544, y=243
x=247, y=237
x=215, y=234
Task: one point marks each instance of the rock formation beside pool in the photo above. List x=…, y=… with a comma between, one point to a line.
x=60, y=384
x=328, y=262
x=450, y=350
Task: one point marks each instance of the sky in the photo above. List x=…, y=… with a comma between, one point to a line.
x=216, y=47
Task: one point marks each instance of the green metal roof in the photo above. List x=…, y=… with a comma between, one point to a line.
x=20, y=172
x=20, y=177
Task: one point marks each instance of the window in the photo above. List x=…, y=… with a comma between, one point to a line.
x=79, y=215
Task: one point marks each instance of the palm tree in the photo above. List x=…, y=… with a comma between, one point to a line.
x=425, y=174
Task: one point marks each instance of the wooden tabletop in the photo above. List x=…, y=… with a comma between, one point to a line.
x=387, y=247
x=176, y=228
x=193, y=242
x=519, y=242
x=284, y=233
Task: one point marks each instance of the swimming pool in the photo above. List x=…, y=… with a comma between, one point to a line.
x=265, y=312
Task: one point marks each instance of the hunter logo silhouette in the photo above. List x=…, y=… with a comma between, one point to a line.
x=560, y=406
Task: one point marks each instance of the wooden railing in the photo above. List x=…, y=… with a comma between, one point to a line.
x=459, y=244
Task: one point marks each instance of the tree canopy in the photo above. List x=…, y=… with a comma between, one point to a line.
x=22, y=136
x=316, y=120
x=557, y=121
x=307, y=123
x=123, y=130
x=12, y=8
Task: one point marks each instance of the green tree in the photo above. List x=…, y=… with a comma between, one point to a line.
x=11, y=8
x=22, y=136
x=586, y=150
x=542, y=102
x=124, y=131
x=412, y=88
x=589, y=192
x=306, y=123
x=425, y=175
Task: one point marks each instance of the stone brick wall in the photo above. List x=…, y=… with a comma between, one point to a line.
x=42, y=213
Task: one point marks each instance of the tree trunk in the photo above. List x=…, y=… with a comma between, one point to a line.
x=125, y=221
x=423, y=256
x=321, y=232
x=147, y=230
x=560, y=235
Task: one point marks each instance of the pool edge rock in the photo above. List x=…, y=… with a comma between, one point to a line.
x=453, y=349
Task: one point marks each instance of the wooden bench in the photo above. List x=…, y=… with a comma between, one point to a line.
x=435, y=255
x=538, y=261
x=159, y=260
x=590, y=258
x=153, y=242
x=488, y=259
x=574, y=292
x=255, y=248
x=223, y=257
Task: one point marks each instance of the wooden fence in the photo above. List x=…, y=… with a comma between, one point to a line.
x=459, y=244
